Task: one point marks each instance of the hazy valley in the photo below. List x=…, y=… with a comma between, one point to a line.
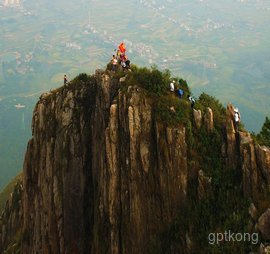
x=219, y=48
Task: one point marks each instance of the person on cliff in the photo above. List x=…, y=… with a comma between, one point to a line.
x=65, y=80
x=180, y=93
x=118, y=54
x=237, y=118
x=172, y=86
x=125, y=65
x=192, y=100
x=128, y=64
x=114, y=62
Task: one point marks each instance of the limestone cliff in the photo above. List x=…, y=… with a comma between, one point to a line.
x=102, y=174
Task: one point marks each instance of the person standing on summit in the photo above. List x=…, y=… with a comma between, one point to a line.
x=65, y=79
x=192, y=100
x=172, y=86
x=237, y=118
x=114, y=63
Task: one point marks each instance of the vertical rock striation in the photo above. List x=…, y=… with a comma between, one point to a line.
x=101, y=175
x=56, y=173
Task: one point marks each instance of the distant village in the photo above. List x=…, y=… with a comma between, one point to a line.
x=146, y=51
x=11, y=3
x=141, y=49
x=15, y=4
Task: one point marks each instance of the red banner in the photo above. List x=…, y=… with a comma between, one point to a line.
x=122, y=47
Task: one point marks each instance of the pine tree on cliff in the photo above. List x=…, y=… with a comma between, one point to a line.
x=264, y=135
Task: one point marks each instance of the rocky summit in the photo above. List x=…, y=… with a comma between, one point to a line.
x=114, y=168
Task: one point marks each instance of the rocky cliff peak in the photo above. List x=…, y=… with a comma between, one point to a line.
x=112, y=168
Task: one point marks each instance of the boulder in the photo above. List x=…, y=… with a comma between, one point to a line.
x=263, y=225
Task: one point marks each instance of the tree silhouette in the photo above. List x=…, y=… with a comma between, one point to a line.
x=264, y=135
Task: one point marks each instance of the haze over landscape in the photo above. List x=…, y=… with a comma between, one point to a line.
x=221, y=48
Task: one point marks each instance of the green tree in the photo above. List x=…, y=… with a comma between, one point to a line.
x=264, y=135
x=153, y=80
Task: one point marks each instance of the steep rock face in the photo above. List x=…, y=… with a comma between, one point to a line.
x=197, y=118
x=263, y=158
x=264, y=225
x=254, y=162
x=208, y=120
x=11, y=221
x=204, y=184
x=101, y=175
x=255, y=165
x=142, y=158
x=249, y=165
x=56, y=177
x=147, y=169
x=232, y=144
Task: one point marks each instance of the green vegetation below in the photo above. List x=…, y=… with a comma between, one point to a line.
x=221, y=208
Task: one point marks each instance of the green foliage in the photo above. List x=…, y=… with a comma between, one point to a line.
x=153, y=80
x=118, y=74
x=183, y=85
x=109, y=66
x=168, y=108
x=219, y=111
x=171, y=110
x=223, y=207
x=82, y=77
x=264, y=136
x=226, y=209
x=223, y=210
x=208, y=147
